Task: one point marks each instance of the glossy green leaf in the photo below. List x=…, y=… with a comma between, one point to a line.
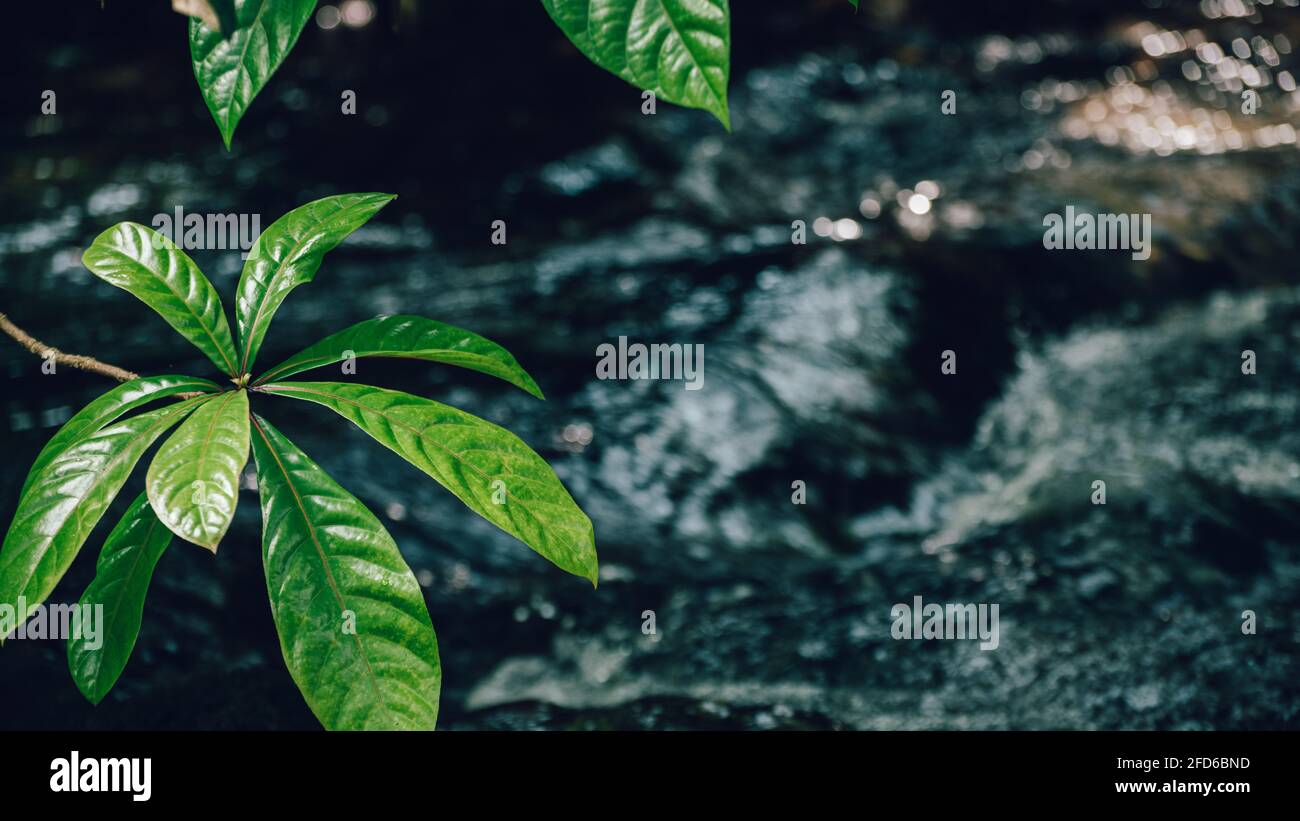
x=149, y=266
x=110, y=406
x=353, y=625
x=66, y=500
x=854, y=3
x=232, y=68
x=487, y=467
x=122, y=577
x=287, y=254
x=679, y=49
x=409, y=337
x=193, y=481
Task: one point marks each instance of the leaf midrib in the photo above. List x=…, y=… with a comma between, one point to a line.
x=719, y=97
x=109, y=466
x=197, y=319
x=320, y=552
x=294, y=368
x=126, y=583
x=421, y=436
x=203, y=449
x=261, y=304
x=230, y=104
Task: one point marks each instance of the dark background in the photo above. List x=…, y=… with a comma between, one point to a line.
x=822, y=361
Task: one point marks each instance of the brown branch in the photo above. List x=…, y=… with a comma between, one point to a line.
x=85, y=363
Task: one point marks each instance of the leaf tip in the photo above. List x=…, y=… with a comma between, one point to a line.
x=723, y=113
x=89, y=694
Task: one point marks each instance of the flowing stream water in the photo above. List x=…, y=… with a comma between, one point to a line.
x=822, y=363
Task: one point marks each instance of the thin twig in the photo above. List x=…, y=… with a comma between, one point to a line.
x=85, y=363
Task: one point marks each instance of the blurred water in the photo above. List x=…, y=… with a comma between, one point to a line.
x=822, y=361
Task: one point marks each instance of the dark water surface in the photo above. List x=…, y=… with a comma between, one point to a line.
x=822, y=360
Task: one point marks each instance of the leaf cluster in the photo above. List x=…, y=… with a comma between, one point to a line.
x=353, y=625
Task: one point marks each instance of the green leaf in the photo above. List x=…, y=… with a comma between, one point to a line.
x=287, y=254
x=353, y=625
x=409, y=337
x=488, y=468
x=66, y=500
x=193, y=481
x=110, y=406
x=854, y=3
x=233, y=68
x=149, y=266
x=122, y=577
x=679, y=49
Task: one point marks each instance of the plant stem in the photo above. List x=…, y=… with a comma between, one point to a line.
x=85, y=363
